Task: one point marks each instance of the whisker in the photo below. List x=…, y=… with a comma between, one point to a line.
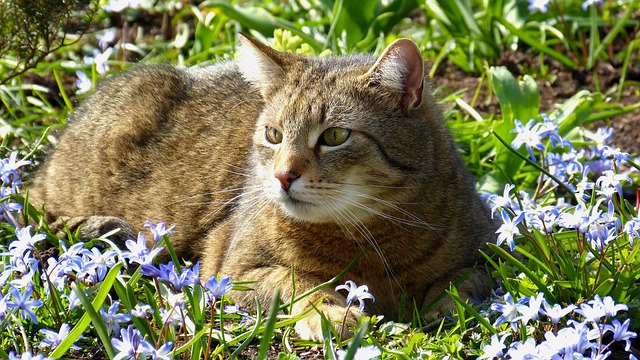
x=213, y=213
x=370, y=238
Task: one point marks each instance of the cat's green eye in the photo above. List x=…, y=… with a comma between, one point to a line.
x=273, y=135
x=335, y=136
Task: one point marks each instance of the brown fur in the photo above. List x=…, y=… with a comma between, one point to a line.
x=188, y=147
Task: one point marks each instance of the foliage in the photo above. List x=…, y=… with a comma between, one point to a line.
x=31, y=30
x=566, y=264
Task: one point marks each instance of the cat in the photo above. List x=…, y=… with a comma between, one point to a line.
x=276, y=161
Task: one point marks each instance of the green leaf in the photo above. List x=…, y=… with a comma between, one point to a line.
x=260, y=20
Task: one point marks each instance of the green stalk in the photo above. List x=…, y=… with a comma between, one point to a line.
x=534, y=164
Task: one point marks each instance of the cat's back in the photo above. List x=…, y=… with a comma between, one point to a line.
x=154, y=137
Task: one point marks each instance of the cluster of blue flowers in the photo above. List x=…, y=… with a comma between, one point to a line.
x=28, y=276
x=578, y=340
x=594, y=213
x=543, y=5
x=570, y=168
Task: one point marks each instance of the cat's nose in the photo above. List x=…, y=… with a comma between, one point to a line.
x=286, y=178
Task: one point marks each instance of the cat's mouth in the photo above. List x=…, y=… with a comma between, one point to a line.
x=301, y=209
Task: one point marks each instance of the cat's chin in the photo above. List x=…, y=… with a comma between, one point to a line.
x=305, y=211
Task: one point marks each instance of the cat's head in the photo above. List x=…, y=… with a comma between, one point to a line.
x=340, y=139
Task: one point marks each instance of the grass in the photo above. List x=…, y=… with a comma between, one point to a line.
x=567, y=264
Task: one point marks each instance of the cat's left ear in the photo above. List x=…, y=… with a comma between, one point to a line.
x=401, y=69
x=260, y=65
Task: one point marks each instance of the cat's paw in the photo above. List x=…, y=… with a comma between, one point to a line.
x=92, y=227
x=311, y=326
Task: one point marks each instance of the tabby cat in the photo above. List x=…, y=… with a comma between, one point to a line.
x=278, y=160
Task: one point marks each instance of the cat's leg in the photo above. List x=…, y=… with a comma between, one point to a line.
x=95, y=226
x=475, y=288
x=327, y=301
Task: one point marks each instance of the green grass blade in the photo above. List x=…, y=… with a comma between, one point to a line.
x=77, y=330
x=357, y=340
x=470, y=310
x=265, y=342
x=533, y=277
x=253, y=332
x=67, y=103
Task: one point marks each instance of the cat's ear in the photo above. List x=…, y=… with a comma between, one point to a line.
x=259, y=64
x=400, y=68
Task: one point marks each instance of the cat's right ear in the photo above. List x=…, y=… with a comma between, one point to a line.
x=259, y=64
x=400, y=69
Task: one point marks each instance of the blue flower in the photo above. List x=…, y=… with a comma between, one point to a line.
x=9, y=169
x=504, y=201
x=495, y=349
x=112, y=318
x=586, y=4
x=540, y=5
x=3, y=307
x=593, y=313
x=509, y=310
x=28, y=356
x=529, y=135
x=621, y=332
x=218, y=288
x=131, y=344
x=610, y=182
x=610, y=307
x=600, y=234
x=141, y=310
x=526, y=350
x=631, y=228
x=106, y=38
x=542, y=218
x=96, y=264
x=620, y=157
x=25, y=241
x=99, y=59
x=581, y=218
x=568, y=342
x=188, y=276
x=83, y=83
x=162, y=353
x=556, y=312
x=531, y=312
x=139, y=253
x=356, y=293
x=548, y=129
x=509, y=229
x=159, y=230
x=363, y=353
x=23, y=302
x=53, y=339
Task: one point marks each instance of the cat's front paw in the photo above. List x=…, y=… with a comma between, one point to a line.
x=311, y=326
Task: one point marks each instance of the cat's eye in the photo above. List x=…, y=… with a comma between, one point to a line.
x=335, y=136
x=273, y=135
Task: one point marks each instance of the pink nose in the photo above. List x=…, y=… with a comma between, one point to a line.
x=286, y=178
